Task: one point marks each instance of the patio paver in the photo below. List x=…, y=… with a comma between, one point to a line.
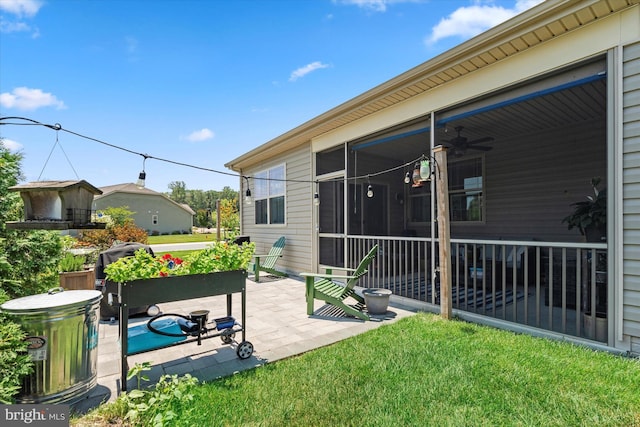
x=277, y=325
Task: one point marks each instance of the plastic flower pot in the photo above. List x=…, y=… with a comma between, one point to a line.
x=376, y=300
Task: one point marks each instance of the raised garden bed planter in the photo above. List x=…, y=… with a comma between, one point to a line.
x=175, y=288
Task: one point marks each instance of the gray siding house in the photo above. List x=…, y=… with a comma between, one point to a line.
x=528, y=112
x=154, y=211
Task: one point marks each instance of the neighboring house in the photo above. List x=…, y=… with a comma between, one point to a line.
x=553, y=96
x=154, y=211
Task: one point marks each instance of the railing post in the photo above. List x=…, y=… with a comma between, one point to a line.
x=444, y=237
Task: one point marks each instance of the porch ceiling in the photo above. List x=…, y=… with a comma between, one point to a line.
x=543, y=22
x=555, y=110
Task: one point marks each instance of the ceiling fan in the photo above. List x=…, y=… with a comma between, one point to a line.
x=459, y=144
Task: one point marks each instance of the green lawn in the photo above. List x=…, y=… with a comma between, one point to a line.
x=182, y=238
x=420, y=371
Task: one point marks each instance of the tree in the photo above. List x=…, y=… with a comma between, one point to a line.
x=229, y=217
x=228, y=193
x=10, y=204
x=203, y=218
x=178, y=191
x=118, y=215
x=28, y=258
x=28, y=265
x=198, y=199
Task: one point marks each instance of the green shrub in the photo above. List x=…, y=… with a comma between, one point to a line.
x=104, y=239
x=32, y=258
x=14, y=360
x=28, y=265
x=155, y=406
x=120, y=228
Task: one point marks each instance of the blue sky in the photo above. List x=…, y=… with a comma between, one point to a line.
x=201, y=82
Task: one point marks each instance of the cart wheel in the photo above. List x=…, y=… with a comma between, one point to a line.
x=227, y=336
x=245, y=350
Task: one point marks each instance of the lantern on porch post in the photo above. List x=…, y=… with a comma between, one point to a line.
x=416, y=177
x=425, y=170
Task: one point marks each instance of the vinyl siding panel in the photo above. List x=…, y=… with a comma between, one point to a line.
x=519, y=207
x=631, y=193
x=171, y=218
x=296, y=256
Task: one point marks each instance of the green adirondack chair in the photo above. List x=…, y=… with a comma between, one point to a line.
x=323, y=287
x=267, y=263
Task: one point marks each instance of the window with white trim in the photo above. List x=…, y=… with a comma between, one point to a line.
x=466, y=194
x=269, y=189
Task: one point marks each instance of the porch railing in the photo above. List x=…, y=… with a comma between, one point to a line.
x=548, y=285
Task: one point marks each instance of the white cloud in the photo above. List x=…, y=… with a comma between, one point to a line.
x=12, y=145
x=21, y=7
x=303, y=71
x=26, y=99
x=200, y=135
x=469, y=21
x=374, y=5
x=13, y=27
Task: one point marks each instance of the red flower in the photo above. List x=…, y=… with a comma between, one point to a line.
x=163, y=274
x=166, y=257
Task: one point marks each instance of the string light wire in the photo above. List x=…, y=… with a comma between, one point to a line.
x=58, y=127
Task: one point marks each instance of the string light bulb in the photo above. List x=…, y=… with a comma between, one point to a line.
x=143, y=175
x=247, y=195
x=141, y=179
x=407, y=178
x=369, y=191
x=316, y=199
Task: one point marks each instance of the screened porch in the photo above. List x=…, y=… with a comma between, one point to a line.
x=517, y=161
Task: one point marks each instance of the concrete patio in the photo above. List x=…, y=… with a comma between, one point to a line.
x=277, y=325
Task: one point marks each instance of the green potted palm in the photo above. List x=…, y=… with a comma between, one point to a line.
x=590, y=216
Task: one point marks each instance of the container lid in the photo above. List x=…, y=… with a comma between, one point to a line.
x=53, y=299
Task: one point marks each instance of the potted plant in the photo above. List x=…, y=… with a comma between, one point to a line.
x=590, y=215
x=73, y=274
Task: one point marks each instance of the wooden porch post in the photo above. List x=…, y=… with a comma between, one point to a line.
x=444, y=238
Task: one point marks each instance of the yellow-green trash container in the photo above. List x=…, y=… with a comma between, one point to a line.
x=62, y=332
